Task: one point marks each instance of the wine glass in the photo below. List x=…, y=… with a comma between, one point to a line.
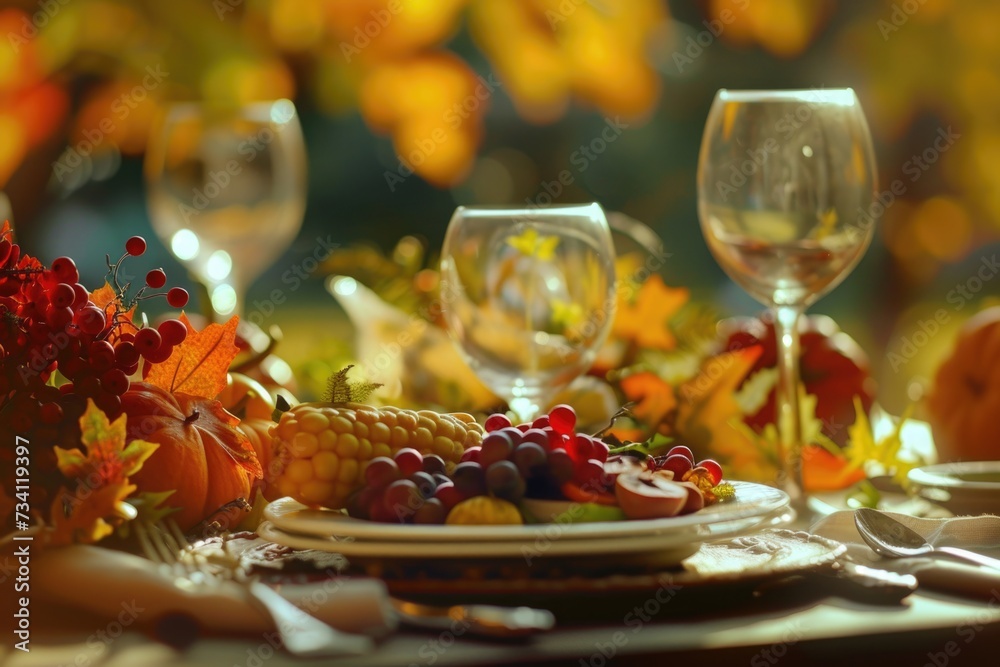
x=226, y=191
x=786, y=181
x=528, y=296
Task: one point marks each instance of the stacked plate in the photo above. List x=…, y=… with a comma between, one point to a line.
x=294, y=525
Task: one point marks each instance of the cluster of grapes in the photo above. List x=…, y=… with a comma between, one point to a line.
x=50, y=322
x=543, y=455
x=408, y=488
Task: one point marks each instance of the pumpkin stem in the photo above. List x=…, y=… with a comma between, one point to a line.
x=193, y=417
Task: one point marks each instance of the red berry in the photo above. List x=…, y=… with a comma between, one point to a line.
x=135, y=246
x=563, y=419
x=497, y=421
x=126, y=355
x=590, y=475
x=601, y=450
x=65, y=270
x=177, y=297
x=51, y=413
x=381, y=472
x=80, y=296
x=541, y=422
x=62, y=296
x=173, y=332
x=581, y=448
x=147, y=341
x=161, y=354
x=713, y=468
x=115, y=381
x=448, y=495
x=683, y=451
x=471, y=454
x=101, y=355
x=90, y=319
x=156, y=278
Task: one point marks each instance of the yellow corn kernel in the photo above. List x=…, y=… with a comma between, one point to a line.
x=326, y=465
x=314, y=422
x=347, y=446
x=304, y=445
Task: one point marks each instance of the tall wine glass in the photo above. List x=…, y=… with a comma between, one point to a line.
x=226, y=191
x=528, y=295
x=786, y=180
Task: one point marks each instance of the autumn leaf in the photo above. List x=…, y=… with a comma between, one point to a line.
x=822, y=470
x=653, y=396
x=106, y=298
x=709, y=416
x=149, y=506
x=198, y=366
x=645, y=322
x=107, y=460
x=532, y=244
x=85, y=519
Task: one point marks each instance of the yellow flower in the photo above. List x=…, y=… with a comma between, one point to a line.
x=532, y=244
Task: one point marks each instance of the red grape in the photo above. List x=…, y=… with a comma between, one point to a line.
x=80, y=296
x=424, y=482
x=537, y=436
x=713, y=468
x=561, y=466
x=177, y=297
x=470, y=479
x=381, y=472
x=433, y=464
x=496, y=447
x=173, y=332
x=409, y=461
x=563, y=419
x=601, y=450
x=589, y=473
x=497, y=421
x=135, y=246
x=541, y=422
x=530, y=458
x=683, y=451
x=505, y=482
x=471, y=454
x=677, y=464
x=516, y=435
x=401, y=499
x=160, y=355
x=582, y=448
x=448, y=495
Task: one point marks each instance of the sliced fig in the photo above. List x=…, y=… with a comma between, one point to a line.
x=645, y=495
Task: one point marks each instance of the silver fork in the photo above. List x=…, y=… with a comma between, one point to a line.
x=302, y=635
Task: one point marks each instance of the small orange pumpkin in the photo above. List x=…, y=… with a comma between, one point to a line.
x=246, y=398
x=202, y=457
x=964, y=402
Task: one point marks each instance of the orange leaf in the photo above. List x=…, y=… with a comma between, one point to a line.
x=646, y=320
x=79, y=518
x=198, y=366
x=105, y=298
x=823, y=471
x=655, y=397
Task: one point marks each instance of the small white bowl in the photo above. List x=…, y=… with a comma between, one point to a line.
x=969, y=487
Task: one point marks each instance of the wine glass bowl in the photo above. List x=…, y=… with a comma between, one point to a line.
x=226, y=191
x=528, y=296
x=785, y=181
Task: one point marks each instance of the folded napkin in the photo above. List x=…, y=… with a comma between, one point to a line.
x=976, y=533
x=108, y=584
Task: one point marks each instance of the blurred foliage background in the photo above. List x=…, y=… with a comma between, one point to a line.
x=520, y=91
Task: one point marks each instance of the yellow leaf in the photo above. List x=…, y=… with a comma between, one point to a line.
x=79, y=518
x=645, y=322
x=532, y=244
x=198, y=366
x=654, y=397
x=107, y=460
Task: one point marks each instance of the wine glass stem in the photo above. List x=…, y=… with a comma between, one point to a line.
x=789, y=416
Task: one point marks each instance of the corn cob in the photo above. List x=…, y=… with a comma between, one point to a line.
x=321, y=449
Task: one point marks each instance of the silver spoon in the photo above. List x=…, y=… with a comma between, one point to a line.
x=888, y=537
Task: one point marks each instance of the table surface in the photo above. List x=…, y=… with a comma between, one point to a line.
x=794, y=622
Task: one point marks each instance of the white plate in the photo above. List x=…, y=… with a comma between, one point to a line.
x=970, y=487
x=752, y=502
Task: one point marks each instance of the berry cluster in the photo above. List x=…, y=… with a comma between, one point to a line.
x=681, y=462
x=49, y=321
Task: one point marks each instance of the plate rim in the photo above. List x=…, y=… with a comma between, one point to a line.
x=464, y=534
x=938, y=476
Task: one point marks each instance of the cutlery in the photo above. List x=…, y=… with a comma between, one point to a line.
x=888, y=537
x=302, y=635
x=477, y=619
